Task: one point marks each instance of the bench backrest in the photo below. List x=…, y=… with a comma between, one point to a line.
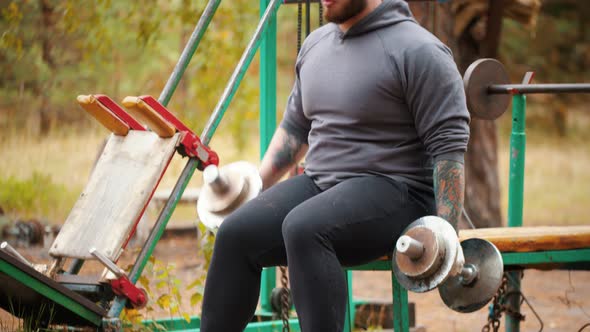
x=120, y=186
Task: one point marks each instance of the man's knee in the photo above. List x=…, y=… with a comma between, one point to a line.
x=230, y=231
x=299, y=230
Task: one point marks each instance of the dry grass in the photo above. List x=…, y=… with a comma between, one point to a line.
x=556, y=181
x=67, y=158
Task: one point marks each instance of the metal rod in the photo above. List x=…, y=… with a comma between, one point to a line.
x=516, y=193
x=75, y=266
x=117, y=271
x=307, y=17
x=539, y=88
x=268, y=121
x=468, y=274
x=191, y=165
x=189, y=50
x=410, y=247
x=157, y=231
x=11, y=251
x=238, y=73
x=213, y=178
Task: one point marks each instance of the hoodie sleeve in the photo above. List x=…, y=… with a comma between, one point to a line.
x=436, y=97
x=294, y=121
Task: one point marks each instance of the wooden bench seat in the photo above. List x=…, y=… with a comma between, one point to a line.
x=529, y=239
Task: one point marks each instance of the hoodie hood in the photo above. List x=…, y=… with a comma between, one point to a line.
x=388, y=13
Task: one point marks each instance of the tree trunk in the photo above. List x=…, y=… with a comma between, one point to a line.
x=482, y=194
x=46, y=116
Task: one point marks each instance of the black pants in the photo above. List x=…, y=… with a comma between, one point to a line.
x=317, y=233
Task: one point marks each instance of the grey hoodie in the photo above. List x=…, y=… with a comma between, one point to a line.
x=383, y=98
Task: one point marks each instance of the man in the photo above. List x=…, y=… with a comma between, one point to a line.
x=378, y=108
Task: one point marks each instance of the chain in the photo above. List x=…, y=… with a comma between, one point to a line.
x=321, y=13
x=299, y=18
x=496, y=309
x=285, y=302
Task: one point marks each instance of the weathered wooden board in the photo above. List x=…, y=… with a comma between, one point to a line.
x=119, y=188
x=528, y=239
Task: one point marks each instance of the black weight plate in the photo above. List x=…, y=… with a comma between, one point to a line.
x=474, y=296
x=478, y=77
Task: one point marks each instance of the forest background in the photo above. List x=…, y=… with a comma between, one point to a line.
x=51, y=51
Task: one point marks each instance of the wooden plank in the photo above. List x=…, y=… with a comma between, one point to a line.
x=103, y=115
x=119, y=188
x=528, y=239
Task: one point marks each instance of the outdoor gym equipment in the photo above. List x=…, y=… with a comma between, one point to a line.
x=488, y=88
x=225, y=189
x=520, y=248
x=428, y=255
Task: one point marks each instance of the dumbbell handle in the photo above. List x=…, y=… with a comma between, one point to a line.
x=213, y=178
x=410, y=247
x=469, y=273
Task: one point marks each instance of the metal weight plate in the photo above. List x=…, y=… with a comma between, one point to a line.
x=236, y=186
x=431, y=258
x=478, y=77
x=486, y=258
x=449, y=241
x=208, y=203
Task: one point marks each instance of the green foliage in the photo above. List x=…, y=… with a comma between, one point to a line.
x=36, y=196
x=52, y=50
x=164, y=292
x=558, y=50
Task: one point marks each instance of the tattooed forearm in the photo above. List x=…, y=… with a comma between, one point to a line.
x=285, y=150
x=449, y=190
x=286, y=153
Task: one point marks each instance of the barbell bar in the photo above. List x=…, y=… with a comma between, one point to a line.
x=488, y=88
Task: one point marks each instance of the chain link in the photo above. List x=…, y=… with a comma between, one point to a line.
x=496, y=308
x=285, y=299
x=321, y=13
x=299, y=18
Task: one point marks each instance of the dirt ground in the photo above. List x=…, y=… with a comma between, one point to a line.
x=561, y=298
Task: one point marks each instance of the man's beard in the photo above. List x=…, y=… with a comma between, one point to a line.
x=348, y=11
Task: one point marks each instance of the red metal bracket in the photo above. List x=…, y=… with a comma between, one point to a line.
x=119, y=112
x=137, y=297
x=190, y=143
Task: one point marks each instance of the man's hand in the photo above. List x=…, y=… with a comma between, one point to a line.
x=284, y=151
x=449, y=190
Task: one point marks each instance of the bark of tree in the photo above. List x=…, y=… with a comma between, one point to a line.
x=46, y=116
x=482, y=194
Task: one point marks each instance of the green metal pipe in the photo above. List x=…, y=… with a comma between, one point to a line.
x=516, y=196
x=268, y=121
x=350, y=307
x=517, y=160
x=49, y=293
x=157, y=231
x=189, y=169
x=239, y=72
x=189, y=50
x=401, y=316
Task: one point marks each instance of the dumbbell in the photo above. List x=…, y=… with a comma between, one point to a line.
x=428, y=255
x=225, y=189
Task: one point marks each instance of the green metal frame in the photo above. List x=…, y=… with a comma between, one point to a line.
x=268, y=122
x=181, y=325
x=50, y=293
